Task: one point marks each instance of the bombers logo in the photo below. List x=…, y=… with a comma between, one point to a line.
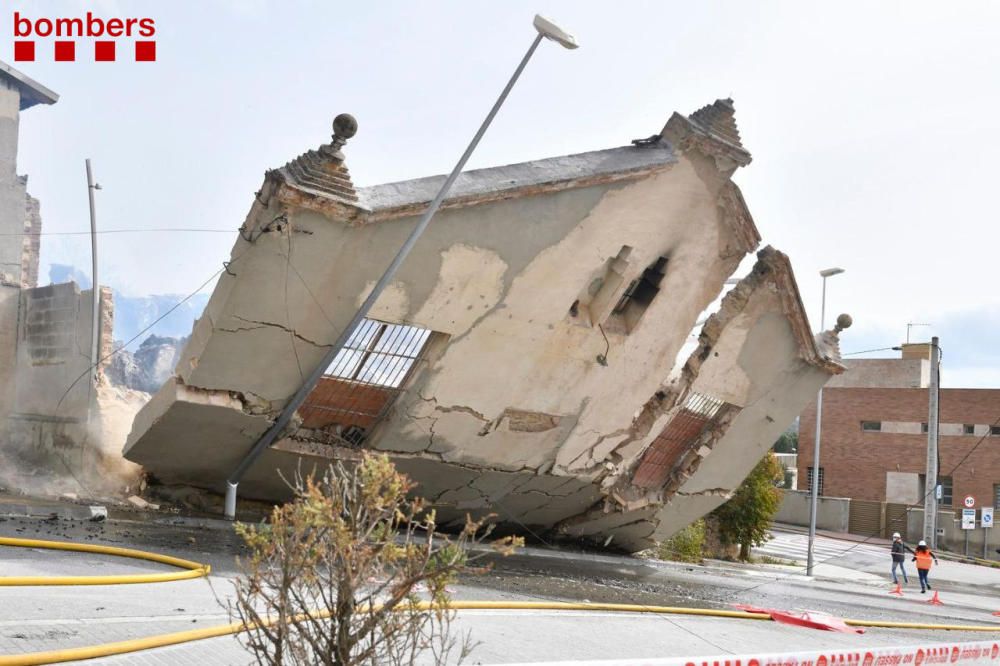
x=105, y=33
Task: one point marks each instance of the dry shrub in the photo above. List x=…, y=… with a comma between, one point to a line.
x=337, y=575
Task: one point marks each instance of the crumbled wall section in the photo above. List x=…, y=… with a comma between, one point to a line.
x=49, y=330
x=32, y=242
x=107, y=332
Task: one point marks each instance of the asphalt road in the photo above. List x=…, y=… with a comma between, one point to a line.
x=42, y=618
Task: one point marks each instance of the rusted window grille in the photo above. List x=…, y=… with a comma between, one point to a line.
x=364, y=379
x=697, y=414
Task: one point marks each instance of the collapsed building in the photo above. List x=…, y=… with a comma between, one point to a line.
x=529, y=360
x=55, y=413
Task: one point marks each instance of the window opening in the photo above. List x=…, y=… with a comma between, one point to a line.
x=968, y=429
x=364, y=379
x=871, y=426
x=809, y=480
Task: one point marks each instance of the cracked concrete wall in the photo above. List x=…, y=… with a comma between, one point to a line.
x=523, y=406
x=755, y=363
x=498, y=279
x=460, y=410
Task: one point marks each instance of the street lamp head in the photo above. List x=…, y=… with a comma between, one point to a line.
x=549, y=29
x=830, y=272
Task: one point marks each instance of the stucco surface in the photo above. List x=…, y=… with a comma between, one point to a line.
x=536, y=397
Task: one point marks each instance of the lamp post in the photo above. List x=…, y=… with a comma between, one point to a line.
x=546, y=29
x=95, y=292
x=814, y=489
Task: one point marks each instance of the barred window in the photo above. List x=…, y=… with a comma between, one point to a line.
x=379, y=353
x=809, y=480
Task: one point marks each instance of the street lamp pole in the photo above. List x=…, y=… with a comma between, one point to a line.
x=814, y=486
x=545, y=29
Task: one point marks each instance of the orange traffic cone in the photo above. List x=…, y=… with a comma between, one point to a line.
x=898, y=590
x=934, y=600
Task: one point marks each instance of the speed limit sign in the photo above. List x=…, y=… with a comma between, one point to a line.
x=969, y=501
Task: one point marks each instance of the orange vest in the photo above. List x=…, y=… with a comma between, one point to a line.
x=924, y=559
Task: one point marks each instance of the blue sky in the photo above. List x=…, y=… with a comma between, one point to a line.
x=873, y=128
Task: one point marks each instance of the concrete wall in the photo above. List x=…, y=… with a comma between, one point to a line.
x=54, y=351
x=832, y=513
x=13, y=195
x=954, y=536
x=884, y=373
x=519, y=288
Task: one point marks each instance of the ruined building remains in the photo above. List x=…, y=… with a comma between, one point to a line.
x=49, y=407
x=528, y=359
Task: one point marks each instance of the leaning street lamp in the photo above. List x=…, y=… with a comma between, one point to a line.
x=814, y=485
x=545, y=29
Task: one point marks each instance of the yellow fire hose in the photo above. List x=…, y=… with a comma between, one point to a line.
x=191, y=569
x=196, y=570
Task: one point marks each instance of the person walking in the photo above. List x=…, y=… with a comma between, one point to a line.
x=923, y=556
x=899, y=550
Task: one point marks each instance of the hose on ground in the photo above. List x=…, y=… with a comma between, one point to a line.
x=196, y=570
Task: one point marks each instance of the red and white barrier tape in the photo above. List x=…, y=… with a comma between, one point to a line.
x=979, y=652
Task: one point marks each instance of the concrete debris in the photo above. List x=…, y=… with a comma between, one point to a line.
x=140, y=503
x=531, y=359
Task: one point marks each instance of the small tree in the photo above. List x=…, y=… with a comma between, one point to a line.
x=746, y=518
x=351, y=571
x=788, y=442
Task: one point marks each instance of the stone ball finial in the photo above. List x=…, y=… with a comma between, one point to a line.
x=843, y=321
x=345, y=126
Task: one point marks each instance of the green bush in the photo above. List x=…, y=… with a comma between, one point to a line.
x=685, y=546
x=746, y=518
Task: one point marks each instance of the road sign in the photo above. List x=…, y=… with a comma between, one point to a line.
x=987, y=516
x=968, y=519
x=969, y=501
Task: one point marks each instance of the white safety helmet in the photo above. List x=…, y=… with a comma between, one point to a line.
x=921, y=543
x=895, y=535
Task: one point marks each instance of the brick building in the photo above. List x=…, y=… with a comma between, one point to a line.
x=874, y=439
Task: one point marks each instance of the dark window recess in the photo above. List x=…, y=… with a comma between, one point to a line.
x=923, y=427
x=946, y=490
x=871, y=426
x=353, y=435
x=996, y=496
x=968, y=429
x=995, y=429
x=642, y=291
x=809, y=480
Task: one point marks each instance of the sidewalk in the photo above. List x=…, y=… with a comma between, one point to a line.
x=954, y=570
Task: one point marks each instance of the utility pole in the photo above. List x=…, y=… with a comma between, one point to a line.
x=96, y=290
x=931, y=478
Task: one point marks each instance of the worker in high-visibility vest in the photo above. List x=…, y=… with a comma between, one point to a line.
x=923, y=556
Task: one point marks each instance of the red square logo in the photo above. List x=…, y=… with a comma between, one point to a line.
x=65, y=51
x=24, y=51
x=145, y=51
x=104, y=51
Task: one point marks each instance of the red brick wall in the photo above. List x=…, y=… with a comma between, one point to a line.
x=854, y=462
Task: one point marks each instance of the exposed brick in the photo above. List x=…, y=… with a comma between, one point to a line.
x=854, y=462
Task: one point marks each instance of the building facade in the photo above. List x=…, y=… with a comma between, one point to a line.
x=530, y=360
x=874, y=435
